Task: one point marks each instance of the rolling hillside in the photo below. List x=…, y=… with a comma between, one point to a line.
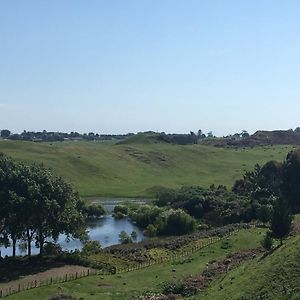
x=140, y=168
x=274, y=277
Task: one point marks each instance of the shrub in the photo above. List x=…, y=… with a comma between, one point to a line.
x=177, y=288
x=175, y=222
x=151, y=230
x=124, y=238
x=91, y=247
x=95, y=211
x=52, y=249
x=120, y=211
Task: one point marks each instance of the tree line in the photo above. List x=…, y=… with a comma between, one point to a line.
x=51, y=136
x=37, y=206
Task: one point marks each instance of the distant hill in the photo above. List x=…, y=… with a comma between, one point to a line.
x=141, y=165
x=259, y=138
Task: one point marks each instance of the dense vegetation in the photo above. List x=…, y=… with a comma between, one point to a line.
x=36, y=205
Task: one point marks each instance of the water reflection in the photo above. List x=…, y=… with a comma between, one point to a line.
x=105, y=230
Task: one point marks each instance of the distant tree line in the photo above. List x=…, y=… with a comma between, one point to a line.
x=49, y=136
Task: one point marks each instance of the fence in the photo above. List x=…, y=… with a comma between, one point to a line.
x=4, y=292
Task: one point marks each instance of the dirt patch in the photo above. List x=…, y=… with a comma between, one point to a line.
x=148, y=157
x=216, y=269
x=104, y=285
x=44, y=276
x=295, y=228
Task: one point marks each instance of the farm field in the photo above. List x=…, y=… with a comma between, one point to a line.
x=140, y=168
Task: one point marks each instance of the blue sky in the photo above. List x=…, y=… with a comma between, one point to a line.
x=167, y=65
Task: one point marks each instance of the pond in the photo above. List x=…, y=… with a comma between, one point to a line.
x=105, y=230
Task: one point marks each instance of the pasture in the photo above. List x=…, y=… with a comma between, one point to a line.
x=140, y=169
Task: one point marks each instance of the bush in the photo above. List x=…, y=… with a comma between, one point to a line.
x=124, y=238
x=120, y=211
x=175, y=222
x=52, y=249
x=95, y=211
x=151, y=230
x=91, y=247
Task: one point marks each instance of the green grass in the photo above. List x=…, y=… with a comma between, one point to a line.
x=268, y=276
x=127, y=285
x=138, y=169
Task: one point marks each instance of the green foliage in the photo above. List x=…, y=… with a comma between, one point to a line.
x=274, y=179
x=36, y=204
x=291, y=179
x=91, y=247
x=281, y=220
x=133, y=235
x=151, y=230
x=216, y=206
x=175, y=222
x=95, y=211
x=267, y=241
x=120, y=211
x=52, y=249
x=124, y=238
x=265, y=213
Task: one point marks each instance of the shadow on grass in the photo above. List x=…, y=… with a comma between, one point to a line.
x=14, y=268
x=267, y=253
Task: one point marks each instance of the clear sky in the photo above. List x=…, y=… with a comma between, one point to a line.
x=126, y=66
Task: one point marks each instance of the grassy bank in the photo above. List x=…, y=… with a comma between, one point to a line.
x=274, y=277
x=129, y=170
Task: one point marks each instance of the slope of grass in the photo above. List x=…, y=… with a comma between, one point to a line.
x=138, y=169
x=277, y=276
x=128, y=285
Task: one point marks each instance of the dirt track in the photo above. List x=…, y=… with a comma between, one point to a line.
x=43, y=276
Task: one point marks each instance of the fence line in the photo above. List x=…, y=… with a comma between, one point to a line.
x=4, y=292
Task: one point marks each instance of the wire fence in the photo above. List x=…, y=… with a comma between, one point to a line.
x=13, y=289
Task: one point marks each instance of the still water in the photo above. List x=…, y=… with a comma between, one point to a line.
x=105, y=230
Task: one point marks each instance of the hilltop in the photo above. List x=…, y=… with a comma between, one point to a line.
x=141, y=165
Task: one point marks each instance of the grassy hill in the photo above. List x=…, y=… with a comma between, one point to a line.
x=274, y=277
x=140, y=167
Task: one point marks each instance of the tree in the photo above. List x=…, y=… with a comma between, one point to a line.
x=95, y=211
x=91, y=247
x=124, y=238
x=265, y=213
x=245, y=134
x=36, y=204
x=5, y=133
x=267, y=242
x=290, y=180
x=133, y=235
x=281, y=220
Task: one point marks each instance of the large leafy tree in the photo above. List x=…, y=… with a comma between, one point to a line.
x=35, y=204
